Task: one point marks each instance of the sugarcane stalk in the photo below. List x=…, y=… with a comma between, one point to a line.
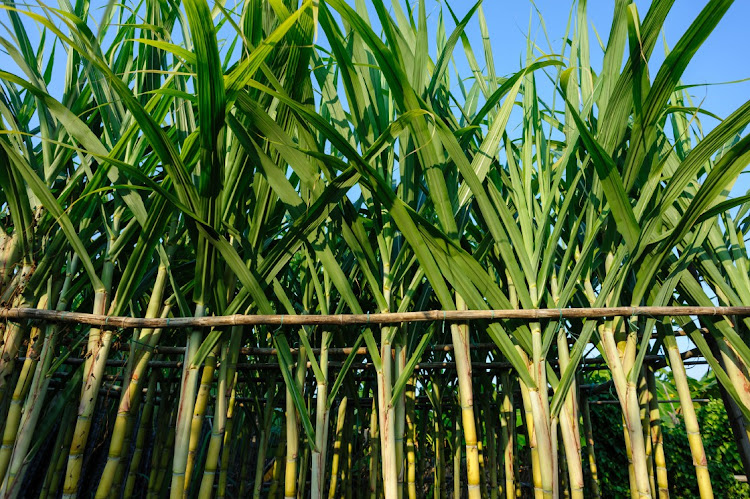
x=569, y=425
x=411, y=437
x=22, y=388
x=374, y=451
x=400, y=417
x=142, y=351
x=589, y=432
x=337, y=448
x=226, y=447
x=457, y=454
x=292, y=431
x=491, y=436
x=507, y=434
x=264, y=436
x=144, y=427
x=199, y=411
x=460, y=339
x=644, y=397
x=532, y=437
x=691, y=420
x=185, y=410
x=317, y=479
x=278, y=465
x=387, y=417
x=59, y=456
x=657, y=441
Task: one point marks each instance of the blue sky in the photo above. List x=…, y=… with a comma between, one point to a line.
x=725, y=56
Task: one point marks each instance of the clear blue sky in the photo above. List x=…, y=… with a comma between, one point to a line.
x=725, y=56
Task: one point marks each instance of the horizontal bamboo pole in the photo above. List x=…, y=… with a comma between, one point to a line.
x=659, y=360
x=362, y=319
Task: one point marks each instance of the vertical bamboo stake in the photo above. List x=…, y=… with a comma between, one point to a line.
x=589, y=431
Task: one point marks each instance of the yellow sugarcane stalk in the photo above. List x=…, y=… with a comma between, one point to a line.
x=507, y=432
x=199, y=411
x=691, y=420
x=457, y=454
x=460, y=339
x=411, y=437
x=142, y=351
x=337, y=448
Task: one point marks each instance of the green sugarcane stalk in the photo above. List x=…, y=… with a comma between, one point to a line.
x=387, y=418
x=146, y=342
x=264, y=436
x=292, y=431
x=644, y=397
x=657, y=440
x=491, y=435
x=217, y=428
x=400, y=416
x=589, y=433
x=278, y=465
x=22, y=388
x=157, y=480
x=571, y=435
x=227, y=445
x=185, y=412
x=144, y=427
x=56, y=468
x=317, y=484
x=374, y=451
x=199, y=411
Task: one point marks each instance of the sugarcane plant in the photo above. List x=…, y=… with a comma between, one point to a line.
x=322, y=157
